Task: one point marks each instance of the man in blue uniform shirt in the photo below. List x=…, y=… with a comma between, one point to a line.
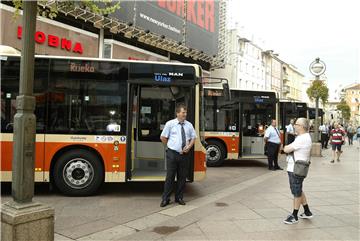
x=179, y=137
x=273, y=142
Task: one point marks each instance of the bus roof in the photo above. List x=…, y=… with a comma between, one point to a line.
x=233, y=89
x=6, y=51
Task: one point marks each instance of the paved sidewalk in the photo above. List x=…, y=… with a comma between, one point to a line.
x=254, y=209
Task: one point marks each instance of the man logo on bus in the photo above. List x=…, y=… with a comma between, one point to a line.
x=176, y=74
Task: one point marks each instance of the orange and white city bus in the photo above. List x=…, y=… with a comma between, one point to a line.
x=235, y=128
x=100, y=120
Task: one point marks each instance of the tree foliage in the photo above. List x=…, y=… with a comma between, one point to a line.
x=319, y=90
x=101, y=7
x=345, y=109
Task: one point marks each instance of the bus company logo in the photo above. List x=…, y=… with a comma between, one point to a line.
x=176, y=74
x=258, y=99
x=86, y=68
x=162, y=78
x=78, y=138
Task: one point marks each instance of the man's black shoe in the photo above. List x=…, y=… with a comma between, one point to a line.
x=278, y=168
x=164, y=203
x=181, y=202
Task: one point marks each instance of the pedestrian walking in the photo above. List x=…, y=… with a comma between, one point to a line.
x=273, y=144
x=324, y=135
x=290, y=132
x=179, y=137
x=337, y=138
x=328, y=128
x=300, y=149
x=358, y=136
x=350, y=133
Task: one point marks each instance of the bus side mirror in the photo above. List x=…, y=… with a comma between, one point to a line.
x=226, y=90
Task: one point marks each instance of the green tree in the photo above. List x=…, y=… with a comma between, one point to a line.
x=101, y=7
x=318, y=90
x=345, y=110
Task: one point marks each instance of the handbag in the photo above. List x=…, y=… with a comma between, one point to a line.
x=301, y=167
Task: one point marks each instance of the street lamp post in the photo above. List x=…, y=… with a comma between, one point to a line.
x=317, y=68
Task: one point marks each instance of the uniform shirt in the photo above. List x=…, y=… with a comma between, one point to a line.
x=323, y=129
x=172, y=131
x=302, y=148
x=290, y=129
x=337, y=136
x=273, y=135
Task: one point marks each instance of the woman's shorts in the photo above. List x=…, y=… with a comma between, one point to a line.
x=295, y=184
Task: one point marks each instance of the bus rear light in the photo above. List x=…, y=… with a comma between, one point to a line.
x=38, y=169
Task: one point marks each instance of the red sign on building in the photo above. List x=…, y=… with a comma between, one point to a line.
x=54, y=41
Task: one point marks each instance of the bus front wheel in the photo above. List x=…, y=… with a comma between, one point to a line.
x=215, y=153
x=78, y=173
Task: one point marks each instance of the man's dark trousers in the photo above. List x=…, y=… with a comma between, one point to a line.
x=350, y=137
x=273, y=153
x=177, y=164
x=324, y=138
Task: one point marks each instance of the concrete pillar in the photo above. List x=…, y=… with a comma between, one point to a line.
x=101, y=43
x=316, y=149
x=23, y=222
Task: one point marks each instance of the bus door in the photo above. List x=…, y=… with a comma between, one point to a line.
x=252, y=131
x=150, y=107
x=255, y=117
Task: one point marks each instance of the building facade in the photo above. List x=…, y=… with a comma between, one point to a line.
x=331, y=113
x=251, y=67
x=352, y=98
x=244, y=64
x=292, y=82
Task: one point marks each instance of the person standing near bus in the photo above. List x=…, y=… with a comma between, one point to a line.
x=179, y=137
x=337, y=138
x=358, y=136
x=290, y=131
x=324, y=130
x=301, y=149
x=273, y=143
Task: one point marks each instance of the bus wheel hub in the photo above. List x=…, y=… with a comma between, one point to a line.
x=78, y=173
x=213, y=153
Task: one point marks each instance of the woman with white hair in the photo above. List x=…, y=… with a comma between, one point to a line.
x=301, y=149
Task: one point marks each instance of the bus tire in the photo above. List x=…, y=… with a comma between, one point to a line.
x=215, y=153
x=78, y=173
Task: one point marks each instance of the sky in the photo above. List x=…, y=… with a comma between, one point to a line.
x=301, y=30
